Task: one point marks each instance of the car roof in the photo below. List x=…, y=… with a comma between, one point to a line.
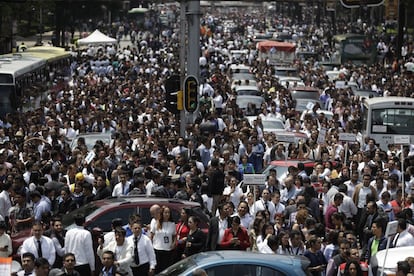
x=242, y=256
x=142, y=199
x=246, y=87
x=280, y=262
x=292, y=162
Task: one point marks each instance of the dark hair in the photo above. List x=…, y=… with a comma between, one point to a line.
x=357, y=265
x=41, y=262
x=266, y=225
x=116, y=222
x=69, y=254
x=120, y=230
x=272, y=241
x=79, y=219
x=29, y=255
x=195, y=219
x=403, y=266
x=109, y=252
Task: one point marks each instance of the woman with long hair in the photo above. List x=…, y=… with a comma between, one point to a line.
x=254, y=232
x=284, y=245
x=267, y=231
x=352, y=268
x=182, y=230
x=196, y=238
x=163, y=235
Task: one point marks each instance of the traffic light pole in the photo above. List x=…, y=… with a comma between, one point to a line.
x=183, y=33
x=192, y=16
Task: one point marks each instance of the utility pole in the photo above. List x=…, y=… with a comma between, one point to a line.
x=190, y=51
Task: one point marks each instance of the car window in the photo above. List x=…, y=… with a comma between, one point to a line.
x=243, y=270
x=104, y=220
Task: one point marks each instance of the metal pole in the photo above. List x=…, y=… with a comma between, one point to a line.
x=183, y=33
x=193, y=66
x=193, y=14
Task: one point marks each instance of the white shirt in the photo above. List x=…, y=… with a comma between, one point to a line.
x=245, y=221
x=120, y=189
x=109, y=237
x=260, y=205
x=404, y=239
x=123, y=254
x=223, y=225
x=163, y=238
x=5, y=203
x=348, y=207
x=5, y=241
x=145, y=251
x=79, y=242
x=48, y=248
x=235, y=195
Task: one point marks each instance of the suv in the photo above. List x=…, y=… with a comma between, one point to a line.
x=100, y=213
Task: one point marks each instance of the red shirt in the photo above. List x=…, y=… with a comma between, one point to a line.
x=182, y=232
x=241, y=235
x=328, y=220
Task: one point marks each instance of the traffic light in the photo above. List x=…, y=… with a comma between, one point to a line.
x=190, y=94
x=172, y=86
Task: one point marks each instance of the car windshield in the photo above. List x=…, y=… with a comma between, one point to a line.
x=179, y=267
x=297, y=94
x=85, y=210
x=244, y=102
x=272, y=124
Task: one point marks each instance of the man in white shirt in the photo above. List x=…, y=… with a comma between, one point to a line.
x=39, y=245
x=5, y=203
x=28, y=265
x=79, y=242
x=264, y=203
x=403, y=237
x=121, y=247
x=244, y=215
x=121, y=188
x=144, y=260
x=348, y=207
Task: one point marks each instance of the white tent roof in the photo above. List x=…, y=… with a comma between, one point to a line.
x=96, y=38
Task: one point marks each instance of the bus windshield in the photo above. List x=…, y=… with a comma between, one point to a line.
x=354, y=48
x=393, y=121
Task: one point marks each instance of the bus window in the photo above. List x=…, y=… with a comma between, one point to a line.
x=384, y=118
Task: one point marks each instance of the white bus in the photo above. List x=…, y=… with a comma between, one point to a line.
x=20, y=75
x=386, y=117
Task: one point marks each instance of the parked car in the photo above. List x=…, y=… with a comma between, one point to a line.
x=243, y=82
x=269, y=124
x=281, y=166
x=229, y=262
x=250, y=105
x=366, y=93
x=393, y=256
x=249, y=90
x=302, y=96
x=92, y=138
x=290, y=82
x=328, y=114
x=101, y=212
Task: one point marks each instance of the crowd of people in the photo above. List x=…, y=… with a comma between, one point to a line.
x=121, y=91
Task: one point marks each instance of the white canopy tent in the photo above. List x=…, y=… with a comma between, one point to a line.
x=96, y=38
